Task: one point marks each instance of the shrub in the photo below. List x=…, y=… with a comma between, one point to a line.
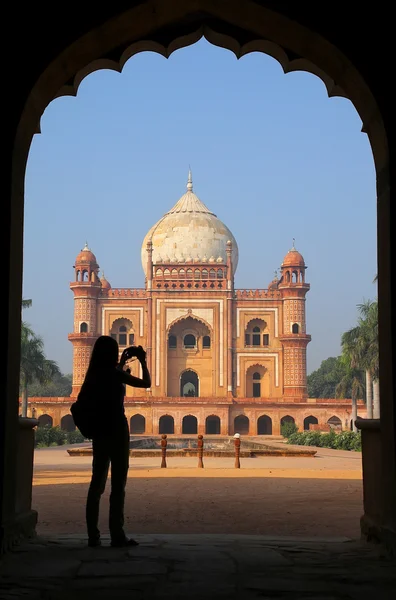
x=345, y=440
x=74, y=437
x=348, y=440
x=296, y=438
x=327, y=440
x=312, y=438
x=49, y=436
x=288, y=428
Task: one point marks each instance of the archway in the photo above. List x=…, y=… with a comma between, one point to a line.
x=257, y=380
x=190, y=424
x=67, y=423
x=336, y=423
x=189, y=384
x=166, y=424
x=45, y=421
x=250, y=24
x=287, y=419
x=308, y=421
x=264, y=425
x=137, y=424
x=241, y=424
x=212, y=425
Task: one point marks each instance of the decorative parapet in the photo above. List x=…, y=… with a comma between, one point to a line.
x=153, y=400
x=259, y=293
x=123, y=293
x=207, y=400
x=49, y=400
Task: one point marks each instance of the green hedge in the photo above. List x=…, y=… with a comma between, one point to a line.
x=55, y=436
x=345, y=440
x=288, y=429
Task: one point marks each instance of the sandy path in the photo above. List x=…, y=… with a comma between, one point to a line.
x=318, y=496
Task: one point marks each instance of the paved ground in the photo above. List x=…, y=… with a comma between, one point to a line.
x=317, y=496
x=192, y=567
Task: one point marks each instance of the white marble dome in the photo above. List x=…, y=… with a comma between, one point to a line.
x=189, y=232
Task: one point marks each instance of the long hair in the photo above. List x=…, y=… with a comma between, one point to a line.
x=104, y=354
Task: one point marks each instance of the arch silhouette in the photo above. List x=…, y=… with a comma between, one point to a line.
x=264, y=425
x=241, y=424
x=287, y=419
x=189, y=383
x=45, y=421
x=212, y=425
x=166, y=424
x=67, y=423
x=308, y=421
x=137, y=424
x=335, y=422
x=190, y=424
x=305, y=49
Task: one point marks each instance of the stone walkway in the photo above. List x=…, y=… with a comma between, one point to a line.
x=203, y=567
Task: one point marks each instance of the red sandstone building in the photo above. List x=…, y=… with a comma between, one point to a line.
x=222, y=360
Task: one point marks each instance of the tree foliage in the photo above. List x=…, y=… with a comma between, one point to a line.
x=323, y=382
x=60, y=385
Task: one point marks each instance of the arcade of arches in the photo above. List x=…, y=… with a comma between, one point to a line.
x=263, y=419
x=307, y=38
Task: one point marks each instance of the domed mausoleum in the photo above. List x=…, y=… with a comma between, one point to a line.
x=189, y=232
x=222, y=360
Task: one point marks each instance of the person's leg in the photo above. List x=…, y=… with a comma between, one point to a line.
x=119, y=471
x=100, y=468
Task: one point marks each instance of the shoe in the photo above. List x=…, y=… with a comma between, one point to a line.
x=94, y=542
x=124, y=542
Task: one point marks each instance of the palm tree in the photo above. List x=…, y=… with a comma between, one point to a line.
x=26, y=304
x=34, y=365
x=352, y=380
x=360, y=348
x=368, y=323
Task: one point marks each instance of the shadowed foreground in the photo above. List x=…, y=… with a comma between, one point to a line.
x=193, y=567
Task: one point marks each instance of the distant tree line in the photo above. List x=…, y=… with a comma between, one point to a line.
x=355, y=373
x=38, y=375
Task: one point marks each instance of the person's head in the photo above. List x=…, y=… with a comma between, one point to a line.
x=104, y=353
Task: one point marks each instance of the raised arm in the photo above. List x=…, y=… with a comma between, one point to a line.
x=145, y=381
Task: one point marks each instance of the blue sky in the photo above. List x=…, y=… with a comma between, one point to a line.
x=270, y=153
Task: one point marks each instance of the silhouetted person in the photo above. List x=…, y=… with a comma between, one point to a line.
x=104, y=390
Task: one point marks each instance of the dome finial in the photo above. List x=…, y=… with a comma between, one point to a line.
x=189, y=180
x=294, y=246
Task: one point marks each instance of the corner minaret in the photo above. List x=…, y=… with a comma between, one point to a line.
x=294, y=337
x=86, y=288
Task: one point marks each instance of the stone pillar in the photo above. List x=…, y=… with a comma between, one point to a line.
x=295, y=365
x=276, y=425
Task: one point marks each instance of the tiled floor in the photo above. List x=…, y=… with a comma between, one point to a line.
x=198, y=566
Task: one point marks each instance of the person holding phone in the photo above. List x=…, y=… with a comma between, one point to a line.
x=104, y=388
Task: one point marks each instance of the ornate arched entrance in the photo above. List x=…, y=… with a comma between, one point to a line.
x=101, y=39
x=189, y=383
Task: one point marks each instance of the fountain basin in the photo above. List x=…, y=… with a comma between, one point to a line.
x=214, y=446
